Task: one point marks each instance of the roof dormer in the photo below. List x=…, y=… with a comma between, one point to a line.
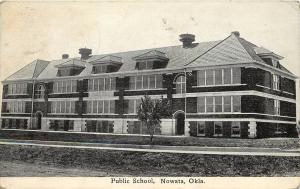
x=268, y=56
x=151, y=60
x=70, y=68
x=106, y=64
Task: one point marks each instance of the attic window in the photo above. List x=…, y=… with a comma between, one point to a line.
x=70, y=68
x=72, y=71
x=268, y=61
x=99, y=69
x=106, y=64
x=275, y=63
x=151, y=60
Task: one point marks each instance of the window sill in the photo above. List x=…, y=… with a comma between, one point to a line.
x=101, y=91
x=62, y=113
x=14, y=113
x=288, y=93
x=201, y=135
x=16, y=94
x=223, y=85
x=64, y=93
x=218, y=135
x=99, y=114
x=157, y=89
x=263, y=86
x=203, y=113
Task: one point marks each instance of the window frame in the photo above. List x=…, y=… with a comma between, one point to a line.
x=133, y=81
x=276, y=82
x=276, y=107
x=206, y=78
x=213, y=104
x=62, y=105
x=218, y=135
x=101, y=81
x=59, y=86
x=17, y=88
x=232, y=125
x=180, y=83
x=204, y=129
x=92, y=105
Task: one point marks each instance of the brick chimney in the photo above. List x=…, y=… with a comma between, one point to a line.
x=65, y=56
x=236, y=33
x=187, y=40
x=85, y=53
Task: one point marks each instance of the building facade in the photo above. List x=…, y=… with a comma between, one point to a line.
x=225, y=88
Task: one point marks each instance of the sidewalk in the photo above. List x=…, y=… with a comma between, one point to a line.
x=248, y=151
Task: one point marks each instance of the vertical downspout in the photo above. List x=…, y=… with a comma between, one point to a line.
x=32, y=99
x=185, y=101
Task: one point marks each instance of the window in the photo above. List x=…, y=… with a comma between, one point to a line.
x=236, y=103
x=100, y=126
x=275, y=82
x=102, y=84
x=40, y=91
x=17, y=88
x=200, y=128
x=137, y=127
x=100, y=107
x=145, y=65
x=236, y=75
x=132, y=83
x=152, y=81
x=209, y=104
x=277, y=107
x=99, y=69
x=218, y=104
x=201, y=78
x=139, y=82
x=15, y=107
x=133, y=106
x=235, y=129
x=201, y=104
x=145, y=82
x=180, y=85
x=210, y=77
x=227, y=76
x=227, y=103
x=63, y=107
x=67, y=86
x=218, y=128
x=219, y=76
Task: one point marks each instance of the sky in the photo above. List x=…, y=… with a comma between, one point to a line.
x=45, y=30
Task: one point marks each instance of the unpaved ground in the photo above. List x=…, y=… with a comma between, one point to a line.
x=21, y=169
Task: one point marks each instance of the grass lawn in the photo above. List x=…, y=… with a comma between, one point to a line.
x=48, y=161
x=145, y=139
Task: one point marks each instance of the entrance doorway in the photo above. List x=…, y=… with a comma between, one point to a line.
x=38, y=118
x=179, y=122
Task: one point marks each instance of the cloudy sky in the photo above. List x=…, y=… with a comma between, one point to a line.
x=45, y=30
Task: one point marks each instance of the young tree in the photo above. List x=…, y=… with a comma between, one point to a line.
x=151, y=111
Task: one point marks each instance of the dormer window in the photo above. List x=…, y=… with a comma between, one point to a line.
x=99, y=69
x=106, y=64
x=145, y=65
x=151, y=60
x=268, y=57
x=70, y=68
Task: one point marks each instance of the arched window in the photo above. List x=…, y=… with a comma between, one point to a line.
x=180, y=85
x=40, y=91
